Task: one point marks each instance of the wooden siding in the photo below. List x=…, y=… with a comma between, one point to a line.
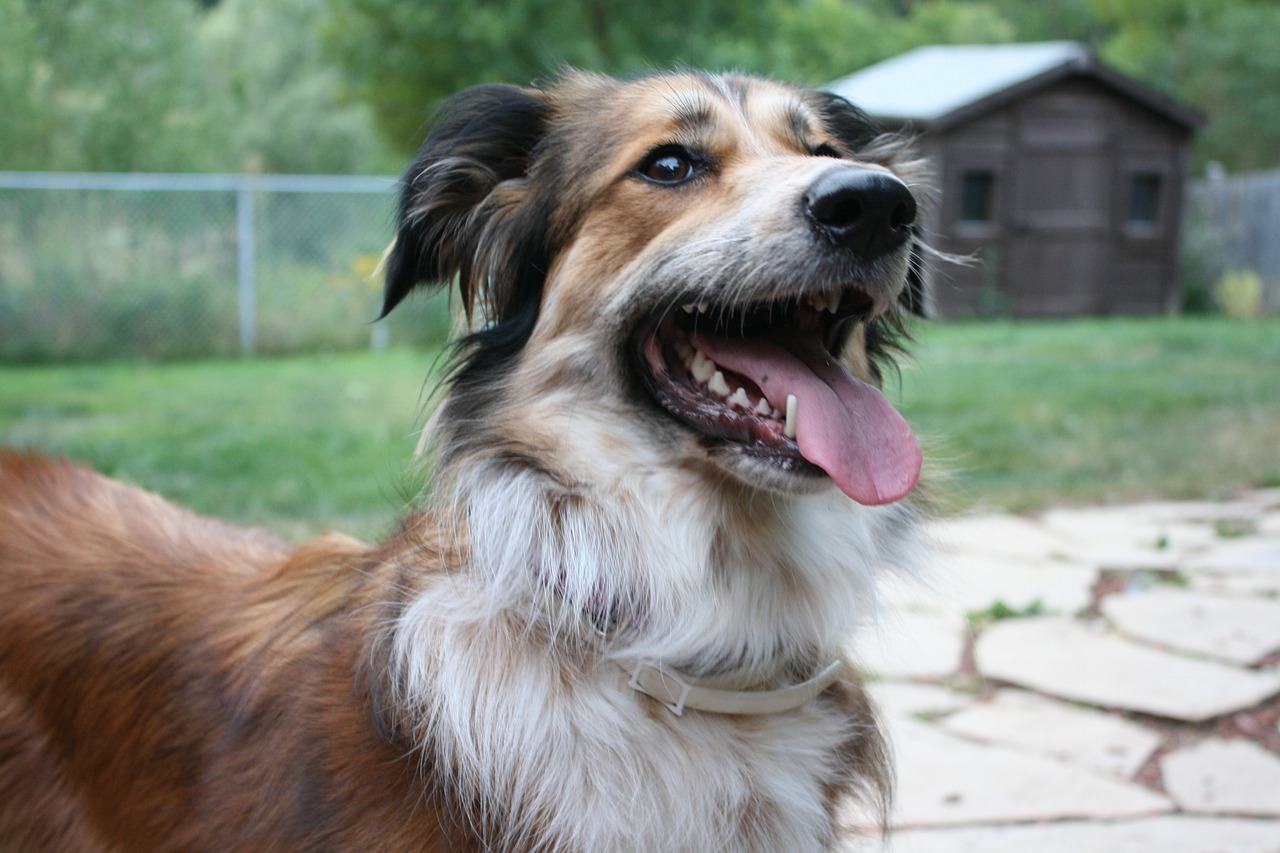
x=1072, y=165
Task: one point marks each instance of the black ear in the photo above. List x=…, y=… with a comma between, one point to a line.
x=849, y=124
x=468, y=173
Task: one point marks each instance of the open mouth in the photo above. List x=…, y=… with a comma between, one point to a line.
x=765, y=379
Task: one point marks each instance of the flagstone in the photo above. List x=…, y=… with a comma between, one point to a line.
x=1069, y=660
x=1224, y=777
x=1124, y=558
x=905, y=699
x=1248, y=554
x=1140, y=528
x=1266, y=498
x=1194, y=511
x=911, y=644
x=998, y=535
x=1160, y=834
x=945, y=780
x=971, y=583
x=1237, y=584
x=1070, y=733
x=1238, y=630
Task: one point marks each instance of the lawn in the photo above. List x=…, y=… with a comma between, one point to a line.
x=1028, y=415
x=1017, y=415
x=298, y=444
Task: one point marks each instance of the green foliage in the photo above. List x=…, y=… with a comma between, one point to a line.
x=1232, y=72
x=1001, y=611
x=958, y=23
x=407, y=56
x=289, y=96
x=159, y=85
x=818, y=37
x=1218, y=55
x=1240, y=294
x=1234, y=528
x=403, y=58
x=1046, y=20
x=308, y=85
x=820, y=40
x=114, y=85
x=20, y=87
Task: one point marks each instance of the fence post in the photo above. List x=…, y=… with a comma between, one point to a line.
x=245, y=262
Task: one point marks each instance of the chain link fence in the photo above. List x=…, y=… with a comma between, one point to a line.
x=174, y=266
x=97, y=266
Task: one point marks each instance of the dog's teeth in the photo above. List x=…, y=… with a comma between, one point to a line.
x=702, y=367
x=688, y=309
x=718, y=385
x=683, y=349
x=702, y=307
x=740, y=399
x=763, y=408
x=789, y=429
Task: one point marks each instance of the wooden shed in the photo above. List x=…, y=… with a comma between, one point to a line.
x=1062, y=175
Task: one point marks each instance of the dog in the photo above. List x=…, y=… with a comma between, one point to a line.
x=663, y=483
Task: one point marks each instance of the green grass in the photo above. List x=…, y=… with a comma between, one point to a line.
x=1027, y=415
x=298, y=444
x=1022, y=415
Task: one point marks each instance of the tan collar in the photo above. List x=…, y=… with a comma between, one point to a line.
x=678, y=692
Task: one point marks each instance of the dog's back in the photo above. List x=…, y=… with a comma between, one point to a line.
x=161, y=672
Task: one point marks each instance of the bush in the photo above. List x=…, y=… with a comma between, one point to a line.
x=1240, y=294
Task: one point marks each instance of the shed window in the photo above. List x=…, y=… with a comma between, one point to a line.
x=977, y=195
x=1144, y=198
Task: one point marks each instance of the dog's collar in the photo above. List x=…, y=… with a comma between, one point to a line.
x=678, y=692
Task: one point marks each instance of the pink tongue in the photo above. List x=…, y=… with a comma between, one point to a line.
x=843, y=425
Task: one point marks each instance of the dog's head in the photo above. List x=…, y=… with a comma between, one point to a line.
x=662, y=268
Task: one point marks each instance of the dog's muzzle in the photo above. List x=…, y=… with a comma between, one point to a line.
x=866, y=211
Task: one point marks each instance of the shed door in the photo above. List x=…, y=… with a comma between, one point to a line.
x=1059, y=248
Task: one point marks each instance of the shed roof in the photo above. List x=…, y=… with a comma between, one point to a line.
x=943, y=85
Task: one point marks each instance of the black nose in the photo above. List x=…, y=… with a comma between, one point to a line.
x=867, y=211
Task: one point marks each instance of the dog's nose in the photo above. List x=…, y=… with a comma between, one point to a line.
x=867, y=211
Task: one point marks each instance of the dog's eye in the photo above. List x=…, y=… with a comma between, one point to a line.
x=825, y=150
x=669, y=165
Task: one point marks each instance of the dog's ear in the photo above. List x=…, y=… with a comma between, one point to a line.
x=859, y=132
x=467, y=178
x=850, y=125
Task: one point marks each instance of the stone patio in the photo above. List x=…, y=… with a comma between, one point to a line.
x=1103, y=680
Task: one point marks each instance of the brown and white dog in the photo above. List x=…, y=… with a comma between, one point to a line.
x=664, y=482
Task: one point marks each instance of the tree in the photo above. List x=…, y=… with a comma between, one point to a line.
x=292, y=114
x=119, y=86
x=405, y=57
x=1218, y=55
x=22, y=131
x=1232, y=72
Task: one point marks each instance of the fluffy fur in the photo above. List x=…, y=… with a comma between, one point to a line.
x=171, y=683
